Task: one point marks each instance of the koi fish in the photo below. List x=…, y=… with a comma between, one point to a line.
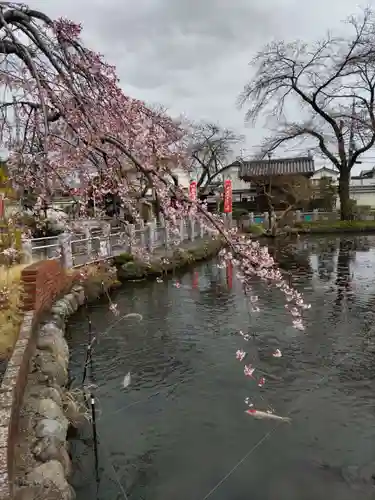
x=267, y=415
x=134, y=315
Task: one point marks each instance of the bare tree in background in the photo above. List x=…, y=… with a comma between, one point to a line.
x=285, y=192
x=333, y=82
x=211, y=149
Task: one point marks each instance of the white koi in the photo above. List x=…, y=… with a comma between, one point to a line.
x=127, y=380
x=134, y=315
x=267, y=415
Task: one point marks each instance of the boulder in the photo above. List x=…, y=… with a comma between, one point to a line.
x=51, y=476
x=50, y=329
x=47, y=408
x=55, y=344
x=55, y=368
x=73, y=301
x=52, y=429
x=41, y=391
x=50, y=448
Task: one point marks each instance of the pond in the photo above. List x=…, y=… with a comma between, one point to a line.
x=180, y=430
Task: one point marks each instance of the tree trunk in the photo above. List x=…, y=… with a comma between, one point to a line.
x=345, y=205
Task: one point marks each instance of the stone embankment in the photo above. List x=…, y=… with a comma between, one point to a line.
x=42, y=462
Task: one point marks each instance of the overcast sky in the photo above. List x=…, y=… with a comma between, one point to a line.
x=192, y=55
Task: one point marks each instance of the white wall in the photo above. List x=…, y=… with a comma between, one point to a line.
x=362, y=182
x=358, y=191
x=183, y=177
x=237, y=184
x=363, y=198
x=320, y=174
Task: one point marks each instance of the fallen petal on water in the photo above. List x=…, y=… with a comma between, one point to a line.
x=127, y=380
x=277, y=354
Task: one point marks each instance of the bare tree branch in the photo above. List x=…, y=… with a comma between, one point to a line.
x=211, y=150
x=333, y=81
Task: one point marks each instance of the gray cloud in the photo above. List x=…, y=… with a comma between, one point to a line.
x=192, y=55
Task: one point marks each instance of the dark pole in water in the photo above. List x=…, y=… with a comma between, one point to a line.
x=88, y=358
x=95, y=435
x=88, y=367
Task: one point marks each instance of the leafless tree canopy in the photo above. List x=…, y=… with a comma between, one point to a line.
x=333, y=84
x=211, y=148
x=285, y=192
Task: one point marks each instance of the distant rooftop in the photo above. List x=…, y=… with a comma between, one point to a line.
x=302, y=165
x=367, y=173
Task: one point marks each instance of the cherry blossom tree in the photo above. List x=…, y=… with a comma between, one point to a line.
x=65, y=111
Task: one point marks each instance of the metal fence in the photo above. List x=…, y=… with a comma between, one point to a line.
x=46, y=248
x=93, y=243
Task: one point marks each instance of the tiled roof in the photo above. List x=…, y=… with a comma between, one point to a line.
x=277, y=166
x=326, y=169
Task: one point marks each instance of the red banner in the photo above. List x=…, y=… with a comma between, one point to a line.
x=227, y=196
x=193, y=190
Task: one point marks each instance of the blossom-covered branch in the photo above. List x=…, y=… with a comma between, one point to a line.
x=65, y=113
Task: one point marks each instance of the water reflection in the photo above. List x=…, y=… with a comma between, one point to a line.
x=346, y=254
x=180, y=427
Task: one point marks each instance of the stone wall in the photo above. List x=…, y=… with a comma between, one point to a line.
x=42, y=466
x=43, y=283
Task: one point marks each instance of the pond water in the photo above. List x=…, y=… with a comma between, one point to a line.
x=180, y=430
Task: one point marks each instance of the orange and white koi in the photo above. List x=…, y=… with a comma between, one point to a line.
x=260, y=415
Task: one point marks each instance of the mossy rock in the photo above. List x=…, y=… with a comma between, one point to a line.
x=132, y=270
x=179, y=259
x=122, y=259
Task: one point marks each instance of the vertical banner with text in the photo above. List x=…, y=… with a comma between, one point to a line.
x=227, y=196
x=193, y=190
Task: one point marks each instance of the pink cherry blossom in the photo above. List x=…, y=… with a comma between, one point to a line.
x=240, y=355
x=261, y=382
x=248, y=370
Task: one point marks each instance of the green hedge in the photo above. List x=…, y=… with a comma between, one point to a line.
x=255, y=229
x=338, y=226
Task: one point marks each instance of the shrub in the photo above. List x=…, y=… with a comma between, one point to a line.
x=237, y=213
x=123, y=258
x=10, y=307
x=97, y=278
x=255, y=229
x=10, y=237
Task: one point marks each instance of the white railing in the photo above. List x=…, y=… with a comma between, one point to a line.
x=93, y=243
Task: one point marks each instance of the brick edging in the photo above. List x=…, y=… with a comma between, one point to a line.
x=11, y=394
